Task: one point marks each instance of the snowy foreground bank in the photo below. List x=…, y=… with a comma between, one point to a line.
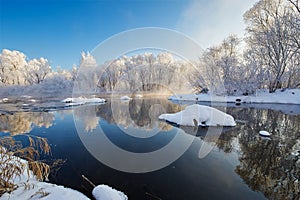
x=28, y=187
x=291, y=96
x=199, y=115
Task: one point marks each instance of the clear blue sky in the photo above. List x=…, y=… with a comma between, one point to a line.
x=60, y=30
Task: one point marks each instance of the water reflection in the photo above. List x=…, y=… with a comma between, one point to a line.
x=23, y=122
x=266, y=165
x=211, y=137
x=87, y=116
x=269, y=166
x=141, y=114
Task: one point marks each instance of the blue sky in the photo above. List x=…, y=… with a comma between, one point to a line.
x=60, y=30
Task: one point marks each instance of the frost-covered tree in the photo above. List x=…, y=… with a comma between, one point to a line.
x=12, y=67
x=221, y=69
x=74, y=72
x=88, y=75
x=143, y=72
x=113, y=73
x=293, y=77
x=87, y=60
x=37, y=70
x=273, y=34
x=254, y=76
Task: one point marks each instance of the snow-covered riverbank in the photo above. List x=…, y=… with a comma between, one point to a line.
x=291, y=96
x=28, y=187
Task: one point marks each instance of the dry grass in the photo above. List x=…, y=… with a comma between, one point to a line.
x=40, y=143
x=10, y=143
x=39, y=169
x=12, y=167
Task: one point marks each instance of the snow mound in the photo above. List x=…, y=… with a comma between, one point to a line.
x=104, y=192
x=82, y=100
x=264, y=133
x=199, y=115
x=125, y=98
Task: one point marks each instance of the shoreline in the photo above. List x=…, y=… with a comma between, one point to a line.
x=289, y=96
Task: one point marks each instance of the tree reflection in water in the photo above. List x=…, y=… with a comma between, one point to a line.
x=137, y=113
x=266, y=164
x=23, y=122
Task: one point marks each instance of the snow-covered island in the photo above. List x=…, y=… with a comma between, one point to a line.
x=199, y=115
x=288, y=96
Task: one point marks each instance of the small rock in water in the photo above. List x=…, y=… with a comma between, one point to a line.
x=264, y=133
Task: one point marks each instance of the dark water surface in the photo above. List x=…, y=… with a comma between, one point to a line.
x=241, y=164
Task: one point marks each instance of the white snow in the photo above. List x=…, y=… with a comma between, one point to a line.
x=68, y=100
x=28, y=187
x=289, y=96
x=95, y=100
x=125, y=98
x=82, y=100
x=264, y=133
x=295, y=153
x=5, y=100
x=104, y=192
x=43, y=190
x=199, y=115
x=296, y=148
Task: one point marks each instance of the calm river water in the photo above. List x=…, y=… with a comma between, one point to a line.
x=240, y=165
